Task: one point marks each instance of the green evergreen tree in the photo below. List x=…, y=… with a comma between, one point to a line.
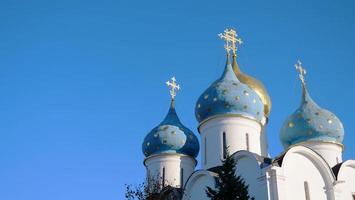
x=229, y=186
x=152, y=189
x=148, y=190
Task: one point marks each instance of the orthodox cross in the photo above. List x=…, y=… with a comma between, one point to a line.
x=302, y=72
x=231, y=38
x=174, y=87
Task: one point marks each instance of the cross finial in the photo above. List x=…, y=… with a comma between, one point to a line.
x=174, y=87
x=231, y=38
x=302, y=72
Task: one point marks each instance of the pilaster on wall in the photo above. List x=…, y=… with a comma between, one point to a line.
x=276, y=183
x=339, y=190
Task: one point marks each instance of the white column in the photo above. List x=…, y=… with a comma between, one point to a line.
x=276, y=183
x=170, y=169
x=339, y=191
x=236, y=133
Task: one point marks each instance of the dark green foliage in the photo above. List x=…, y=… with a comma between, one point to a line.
x=229, y=186
x=152, y=190
x=149, y=190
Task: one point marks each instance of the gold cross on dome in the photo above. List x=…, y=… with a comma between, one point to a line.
x=302, y=71
x=230, y=36
x=174, y=87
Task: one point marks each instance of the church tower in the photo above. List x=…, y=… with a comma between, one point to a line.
x=314, y=127
x=231, y=114
x=170, y=148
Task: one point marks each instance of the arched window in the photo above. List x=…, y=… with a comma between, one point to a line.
x=149, y=176
x=306, y=190
x=205, y=150
x=182, y=177
x=247, y=141
x=163, y=178
x=224, y=145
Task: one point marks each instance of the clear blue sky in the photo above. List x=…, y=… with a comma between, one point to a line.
x=82, y=82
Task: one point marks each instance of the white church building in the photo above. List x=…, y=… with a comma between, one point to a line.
x=233, y=113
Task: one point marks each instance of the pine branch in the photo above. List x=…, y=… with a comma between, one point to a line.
x=229, y=186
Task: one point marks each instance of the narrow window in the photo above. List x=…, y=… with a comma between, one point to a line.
x=306, y=190
x=205, y=150
x=337, y=160
x=149, y=176
x=182, y=177
x=224, y=145
x=354, y=196
x=163, y=178
x=247, y=140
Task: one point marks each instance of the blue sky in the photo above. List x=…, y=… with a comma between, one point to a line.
x=82, y=82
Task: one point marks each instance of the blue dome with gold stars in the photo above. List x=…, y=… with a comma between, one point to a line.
x=171, y=136
x=228, y=96
x=311, y=122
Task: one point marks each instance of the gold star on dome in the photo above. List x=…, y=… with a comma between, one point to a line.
x=174, y=87
x=231, y=39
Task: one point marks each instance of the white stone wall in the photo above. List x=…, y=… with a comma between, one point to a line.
x=172, y=165
x=305, y=174
x=285, y=182
x=276, y=183
x=195, y=188
x=248, y=167
x=236, y=130
x=264, y=143
x=345, y=185
x=330, y=152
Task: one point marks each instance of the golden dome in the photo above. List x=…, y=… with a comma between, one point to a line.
x=255, y=85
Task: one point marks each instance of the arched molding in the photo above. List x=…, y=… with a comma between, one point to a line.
x=247, y=154
x=345, y=174
x=189, y=185
x=198, y=174
x=249, y=167
x=317, y=161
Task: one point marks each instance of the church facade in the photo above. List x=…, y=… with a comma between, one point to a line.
x=232, y=114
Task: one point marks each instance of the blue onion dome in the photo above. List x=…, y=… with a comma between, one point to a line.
x=227, y=96
x=310, y=122
x=171, y=136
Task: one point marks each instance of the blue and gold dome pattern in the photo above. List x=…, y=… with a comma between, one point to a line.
x=171, y=136
x=311, y=122
x=227, y=96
